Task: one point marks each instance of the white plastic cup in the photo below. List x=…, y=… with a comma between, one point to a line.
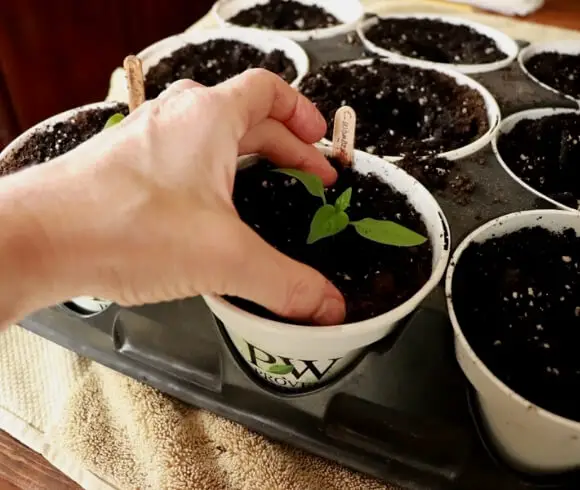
x=263, y=41
x=503, y=41
x=84, y=303
x=520, y=8
x=314, y=355
x=528, y=437
x=492, y=108
x=89, y=305
x=561, y=47
x=348, y=12
x=506, y=127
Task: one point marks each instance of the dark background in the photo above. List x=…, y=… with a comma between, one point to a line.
x=59, y=54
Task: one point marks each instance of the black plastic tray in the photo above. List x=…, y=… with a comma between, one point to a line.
x=402, y=413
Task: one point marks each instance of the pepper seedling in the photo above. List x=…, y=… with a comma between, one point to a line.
x=331, y=219
x=114, y=120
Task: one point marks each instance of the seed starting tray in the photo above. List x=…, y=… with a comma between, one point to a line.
x=403, y=412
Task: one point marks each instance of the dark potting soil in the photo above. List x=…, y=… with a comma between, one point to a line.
x=400, y=109
x=440, y=176
x=559, y=71
x=435, y=40
x=373, y=278
x=285, y=15
x=545, y=153
x=213, y=62
x=517, y=299
x=59, y=139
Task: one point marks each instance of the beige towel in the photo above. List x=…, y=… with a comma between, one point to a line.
x=107, y=431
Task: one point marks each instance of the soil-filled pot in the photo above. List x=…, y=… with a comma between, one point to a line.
x=406, y=107
x=381, y=284
x=300, y=20
x=445, y=41
x=211, y=56
x=54, y=137
x=555, y=66
x=540, y=150
x=513, y=294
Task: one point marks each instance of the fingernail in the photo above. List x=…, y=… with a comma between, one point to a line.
x=331, y=312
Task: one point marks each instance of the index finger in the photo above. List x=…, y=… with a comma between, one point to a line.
x=259, y=94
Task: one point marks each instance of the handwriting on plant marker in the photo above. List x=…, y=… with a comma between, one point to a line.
x=343, y=135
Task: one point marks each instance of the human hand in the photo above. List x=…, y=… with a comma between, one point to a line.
x=163, y=225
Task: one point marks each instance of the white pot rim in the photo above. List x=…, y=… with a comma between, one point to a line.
x=493, y=111
x=301, y=36
x=265, y=41
x=361, y=327
x=19, y=141
x=507, y=45
x=87, y=305
x=561, y=47
x=460, y=337
x=506, y=127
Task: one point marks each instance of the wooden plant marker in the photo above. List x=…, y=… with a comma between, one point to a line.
x=343, y=135
x=135, y=83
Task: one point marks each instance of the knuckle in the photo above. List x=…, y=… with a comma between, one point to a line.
x=258, y=77
x=177, y=87
x=258, y=73
x=184, y=107
x=183, y=84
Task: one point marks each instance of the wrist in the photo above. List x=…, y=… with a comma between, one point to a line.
x=56, y=220
x=29, y=272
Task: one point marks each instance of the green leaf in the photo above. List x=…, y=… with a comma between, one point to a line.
x=388, y=233
x=312, y=182
x=343, y=201
x=326, y=222
x=114, y=120
x=280, y=369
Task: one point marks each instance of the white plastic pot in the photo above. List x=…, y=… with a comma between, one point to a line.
x=503, y=41
x=530, y=438
x=511, y=7
x=317, y=354
x=90, y=305
x=348, y=12
x=86, y=303
x=561, y=47
x=493, y=110
x=507, y=125
x=264, y=41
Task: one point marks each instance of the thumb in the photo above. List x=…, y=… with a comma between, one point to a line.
x=282, y=285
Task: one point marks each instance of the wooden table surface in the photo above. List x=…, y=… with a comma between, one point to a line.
x=23, y=469
x=561, y=13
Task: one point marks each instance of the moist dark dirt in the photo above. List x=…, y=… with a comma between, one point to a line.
x=285, y=15
x=517, y=299
x=400, y=109
x=545, y=153
x=559, y=71
x=213, y=62
x=58, y=139
x=373, y=278
x=440, y=176
x=434, y=40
